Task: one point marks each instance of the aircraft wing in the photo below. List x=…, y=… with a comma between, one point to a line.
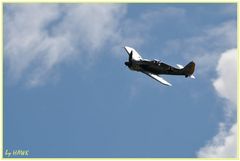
x=157, y=78
x=135, y=55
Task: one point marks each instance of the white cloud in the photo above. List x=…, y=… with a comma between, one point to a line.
x=226, y=84
x=224, y=144
x=25, y=40
x=40, y=37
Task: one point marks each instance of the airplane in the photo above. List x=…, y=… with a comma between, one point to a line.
x=154, y=68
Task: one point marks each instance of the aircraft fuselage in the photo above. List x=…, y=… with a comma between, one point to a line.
x=155, y=67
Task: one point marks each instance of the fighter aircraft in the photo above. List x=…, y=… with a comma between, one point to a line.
x=154, y=68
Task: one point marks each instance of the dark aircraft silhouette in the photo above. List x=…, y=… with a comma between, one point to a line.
x=154, y=68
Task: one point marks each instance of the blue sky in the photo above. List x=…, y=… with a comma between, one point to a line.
x=67, y=92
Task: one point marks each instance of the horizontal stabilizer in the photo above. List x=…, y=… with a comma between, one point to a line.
x=192, y=76
x=180, y=66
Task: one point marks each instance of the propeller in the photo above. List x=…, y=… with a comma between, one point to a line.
x=129, y=63
x=130, y=58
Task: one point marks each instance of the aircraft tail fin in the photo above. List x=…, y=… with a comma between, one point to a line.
x=189, y=69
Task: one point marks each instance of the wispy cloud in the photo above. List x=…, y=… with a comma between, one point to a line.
x=224, y=144
x=204, y=48
x=40, y=37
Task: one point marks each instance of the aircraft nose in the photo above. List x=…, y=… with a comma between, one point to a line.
x=127, y=64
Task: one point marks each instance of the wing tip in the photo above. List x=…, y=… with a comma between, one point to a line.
x=169, y=84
